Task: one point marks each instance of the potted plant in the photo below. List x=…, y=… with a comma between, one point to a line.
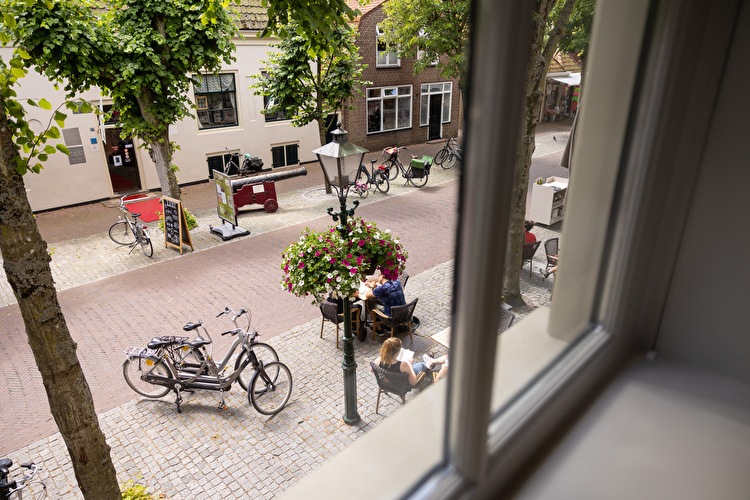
x=322, y=263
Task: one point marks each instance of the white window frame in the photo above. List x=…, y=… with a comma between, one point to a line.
x=426, y=90
x=391, y=58
x=387, y=94
x=421, y=53
x=482, y=449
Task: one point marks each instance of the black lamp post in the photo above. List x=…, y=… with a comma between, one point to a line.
x=340, y=160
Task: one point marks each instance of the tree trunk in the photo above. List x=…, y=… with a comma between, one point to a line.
x=26, y=264
x=322, y=129
x=535, y=76
x=160, y=151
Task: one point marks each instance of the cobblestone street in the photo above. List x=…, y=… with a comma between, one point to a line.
x=113, y=300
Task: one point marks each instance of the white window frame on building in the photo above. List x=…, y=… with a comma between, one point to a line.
x=386, y=102
x=216, y=101
x=268, y=101
x=385, y=56
x=428, y=89
x=284, y=155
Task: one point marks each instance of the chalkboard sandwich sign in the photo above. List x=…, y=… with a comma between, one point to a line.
x=176, y=234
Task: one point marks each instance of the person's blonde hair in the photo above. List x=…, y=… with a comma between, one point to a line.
x=390, y=349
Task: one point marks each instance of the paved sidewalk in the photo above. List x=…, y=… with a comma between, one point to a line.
x=115, y=300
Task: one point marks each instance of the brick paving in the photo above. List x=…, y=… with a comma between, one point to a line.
x=113, y=301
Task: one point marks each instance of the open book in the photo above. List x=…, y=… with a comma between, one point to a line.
x=405, y=355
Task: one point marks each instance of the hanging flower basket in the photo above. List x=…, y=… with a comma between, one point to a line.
x=322, y=262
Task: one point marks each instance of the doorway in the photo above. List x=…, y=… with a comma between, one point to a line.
x=122, y=161
x=434, y=130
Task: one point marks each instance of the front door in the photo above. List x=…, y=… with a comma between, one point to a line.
x=121, y=158
x=435, y=111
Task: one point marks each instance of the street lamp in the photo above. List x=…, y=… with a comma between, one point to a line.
x=340, y=160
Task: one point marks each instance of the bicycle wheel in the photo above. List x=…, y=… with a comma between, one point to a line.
x=417, y=181
x=145, y=241
x=382, y=183
x=450, y=161
x=135, y=370
x=121, y=234
x=441, y=157
x=391, y=168
x=264, y=352
x=267, y=396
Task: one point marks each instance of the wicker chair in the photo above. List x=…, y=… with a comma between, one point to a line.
x=403, y=279
x=527, y=255
x=330, y=312
x=552, y=249
x=392, y=383
x=401, y=316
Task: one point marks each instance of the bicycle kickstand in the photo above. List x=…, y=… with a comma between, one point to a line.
x=222, y=404
x=178, y=399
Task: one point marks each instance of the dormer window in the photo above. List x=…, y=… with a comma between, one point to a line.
x=386, y=56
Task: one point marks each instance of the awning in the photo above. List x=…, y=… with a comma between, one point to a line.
x=571, y=80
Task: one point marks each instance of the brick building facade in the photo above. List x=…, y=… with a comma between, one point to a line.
x=399, y=107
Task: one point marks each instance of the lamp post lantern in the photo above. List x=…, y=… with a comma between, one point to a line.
x=340, y=160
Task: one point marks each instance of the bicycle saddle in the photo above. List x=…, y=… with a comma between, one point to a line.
x=191, y=326
x=135, y=215
x=198, y=342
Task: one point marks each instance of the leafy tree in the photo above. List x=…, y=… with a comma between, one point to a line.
x=437, y=27
x=140, y=52
x=322, y=17
x=576, y=38
x=309, y=79
x=26, y=264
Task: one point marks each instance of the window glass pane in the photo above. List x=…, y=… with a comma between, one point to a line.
x=389, y=114
x=373, y=92
x=389, y=92
x=291, y=154
x=277, y=156
x=446, y=115
x=373, y=116
x=423, y=110
x=406, y=90
x=447, y=86
x=404, y=112
x=436, y=87
x=216, y=101
x=424, y=88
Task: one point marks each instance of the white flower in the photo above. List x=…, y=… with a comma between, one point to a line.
x=338, y=279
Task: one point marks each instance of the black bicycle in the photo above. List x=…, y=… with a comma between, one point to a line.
x=29, y=485
x=417, y=173
x=450, y=155
x=250, y=164
x=375, y=177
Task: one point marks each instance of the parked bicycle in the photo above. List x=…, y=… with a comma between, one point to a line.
x=375, y=177
x=173, y=363
x=416, y=175
x=129, y=231
x=450, y=155
x=28, y=486
x=250, y=164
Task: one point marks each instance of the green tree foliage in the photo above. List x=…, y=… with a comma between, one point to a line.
x=576, y=38
x=321, y=17
x=440, y=28
x=309, y=82
x=140, y=52
x=26, y=265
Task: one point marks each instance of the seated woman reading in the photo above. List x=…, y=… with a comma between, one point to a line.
x=388, y=359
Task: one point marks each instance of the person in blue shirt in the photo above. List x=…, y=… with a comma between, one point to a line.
x=389, y=292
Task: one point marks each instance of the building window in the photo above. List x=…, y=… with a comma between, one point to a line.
x=421, y=53
x=387, y=57
x=268, y=101
x=445, y=89
x=284, y=155
x=388, y=108
x=218, y=162
x=215, y=100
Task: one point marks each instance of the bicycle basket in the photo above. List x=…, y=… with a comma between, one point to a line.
x=252, y=164
x=390, y=153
